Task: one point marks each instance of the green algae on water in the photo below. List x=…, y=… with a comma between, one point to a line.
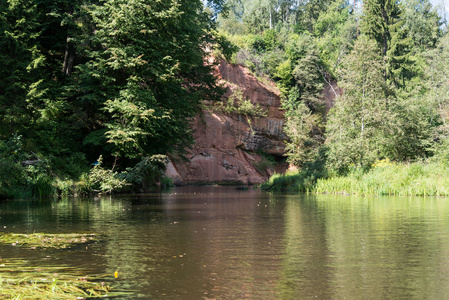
x=46, y=240
x=19, y=281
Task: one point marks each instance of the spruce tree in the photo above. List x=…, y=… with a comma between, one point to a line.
x=378, y=17
x=147, y=73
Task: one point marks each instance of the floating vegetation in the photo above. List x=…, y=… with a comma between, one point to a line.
x=46, y=240
x=18, y=281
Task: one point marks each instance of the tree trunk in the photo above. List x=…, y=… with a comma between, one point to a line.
x=69, y=56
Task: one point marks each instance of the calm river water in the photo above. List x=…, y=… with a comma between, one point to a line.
x=222, y=243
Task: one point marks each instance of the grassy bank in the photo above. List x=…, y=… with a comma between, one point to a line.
x=384, y=178
x=44, y=178
x=297, y=181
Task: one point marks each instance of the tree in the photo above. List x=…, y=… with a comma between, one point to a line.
x=304, y=135
x=378, y=17
x=423, y=24
x=335, y=31
x=437, y=81
x=304, y=104
x=146, y=73
x=308, y=82
x=16, y=56
x=360, y=119
x=400, y=64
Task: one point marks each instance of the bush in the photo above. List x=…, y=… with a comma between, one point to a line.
x=147, y=172
x=101, y=180
x=236, y=104
x=266, y=162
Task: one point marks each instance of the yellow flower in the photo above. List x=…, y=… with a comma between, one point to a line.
x=115, y=274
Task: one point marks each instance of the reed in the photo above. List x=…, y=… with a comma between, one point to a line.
x=386, y=178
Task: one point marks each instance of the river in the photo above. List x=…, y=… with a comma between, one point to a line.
x=225, y=243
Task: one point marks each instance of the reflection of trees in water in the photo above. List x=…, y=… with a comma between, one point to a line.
x=371, y=248
x=305, y=272
x=219, y=245
x=252, y=245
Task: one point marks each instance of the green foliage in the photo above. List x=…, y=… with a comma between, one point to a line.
x=65, y=187
x=378, y=19
x=224, y=47
x=166, y=182
x=267, y=161
x=309, y=81
x=387, y=178
x=122, y=79
x=40, y=180
x=290, y=181
x=284, y=76
x=20, y=178
x=423, y=24
x=236, y=104
x=416, y=120
x=101, y=180
x=149, y=80
x=147, y=172
x=361, y=117
x=81, y=79
x=301, y=128
x=301, y=180
x=335, y=31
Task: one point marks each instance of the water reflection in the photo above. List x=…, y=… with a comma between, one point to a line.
x=371, y=248
x=221, y=243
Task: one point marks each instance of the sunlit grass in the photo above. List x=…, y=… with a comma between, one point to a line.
x=418, y=179
x=291, y=181
x=384, y=178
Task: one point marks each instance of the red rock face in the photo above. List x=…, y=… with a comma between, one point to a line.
x=225, y=145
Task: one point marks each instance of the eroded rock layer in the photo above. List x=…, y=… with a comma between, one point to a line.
x=226, y=144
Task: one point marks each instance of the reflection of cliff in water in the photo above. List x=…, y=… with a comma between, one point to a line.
x=217, y=243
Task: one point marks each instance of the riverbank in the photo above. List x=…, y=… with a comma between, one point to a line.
x=384, y=178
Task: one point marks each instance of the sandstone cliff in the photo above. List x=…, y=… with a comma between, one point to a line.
x=226, y=144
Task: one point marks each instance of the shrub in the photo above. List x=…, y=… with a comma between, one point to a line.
x=236, y=104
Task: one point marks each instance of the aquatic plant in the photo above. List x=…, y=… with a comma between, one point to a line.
x=46, y=240
x=19, y=281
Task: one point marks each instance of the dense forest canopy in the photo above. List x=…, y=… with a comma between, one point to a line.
x=113, y=83
x=113, y=78
x=380, y=53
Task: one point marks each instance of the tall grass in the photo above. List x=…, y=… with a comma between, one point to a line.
x=385, y=178
x=299, y=181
